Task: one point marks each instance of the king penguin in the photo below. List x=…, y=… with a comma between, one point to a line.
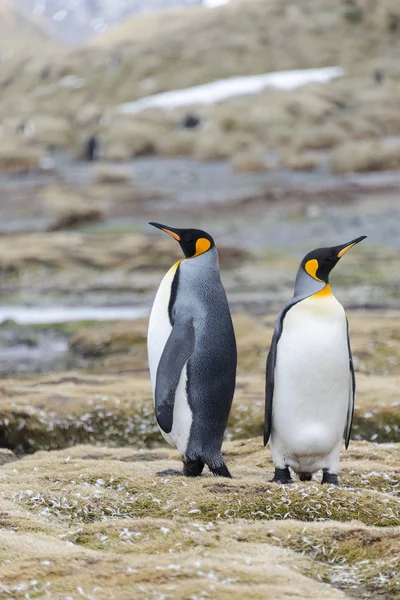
x=310, y=383
x=192, y=355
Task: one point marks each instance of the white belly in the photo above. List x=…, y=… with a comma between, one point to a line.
x=159, y=331
x=312, y=383
x=159, y=324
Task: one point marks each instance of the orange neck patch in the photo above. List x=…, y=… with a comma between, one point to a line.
x=324, y=293
x=202, y=245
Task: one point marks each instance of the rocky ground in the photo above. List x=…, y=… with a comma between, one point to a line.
x=83, y=512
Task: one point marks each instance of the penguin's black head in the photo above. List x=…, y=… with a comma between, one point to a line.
x=320, y=262
x=193, y=241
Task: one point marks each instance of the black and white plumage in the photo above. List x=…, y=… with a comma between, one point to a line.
x=192, y=354
x=310, y=383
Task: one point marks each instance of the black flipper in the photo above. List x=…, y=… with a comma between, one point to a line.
x=305, y=291
x=352, y=393
x=270, y=382
x=270, y=376
x=177, y=351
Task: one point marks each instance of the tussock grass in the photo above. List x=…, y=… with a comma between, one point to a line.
x=51, y=132
x=127, y=138
x=301, y=161
x=114, y=404
x=365, y=156
x=316, y=117
x=69, y=209
x=91, y=485
x=17, y=157
x=80, y=262
x=112, y=175
x=118, y=526
x=251, y=160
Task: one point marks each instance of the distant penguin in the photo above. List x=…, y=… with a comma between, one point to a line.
x=91, y=148
x=45, y=73
x=378, y=76
x=310, y=383
x=190, y=122
x=192, y=355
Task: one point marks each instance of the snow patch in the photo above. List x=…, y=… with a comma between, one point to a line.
x=214, y=3
x=71, y=81
x=220, y=90
x=30, y=315
x=60, y=15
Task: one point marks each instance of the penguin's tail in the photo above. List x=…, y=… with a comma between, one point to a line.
x=219, y=471
x=193, y=464
x=222, y=471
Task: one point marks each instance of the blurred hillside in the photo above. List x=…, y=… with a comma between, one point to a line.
x=22, y=35
x=67, y=94
x=74, y=22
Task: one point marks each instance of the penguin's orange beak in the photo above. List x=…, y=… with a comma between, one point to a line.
x=170, y=230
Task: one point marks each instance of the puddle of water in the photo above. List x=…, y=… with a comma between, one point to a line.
x=42, y=315
x=49, y=353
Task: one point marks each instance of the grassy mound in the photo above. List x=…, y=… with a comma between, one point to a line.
x=119, y=527
x=112, y=403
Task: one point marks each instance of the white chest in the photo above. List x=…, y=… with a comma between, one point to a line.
x=313, y=330
x=159, y=331
x=159, y=324
x=312, y=374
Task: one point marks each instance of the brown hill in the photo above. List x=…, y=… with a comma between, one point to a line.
x=21, y=34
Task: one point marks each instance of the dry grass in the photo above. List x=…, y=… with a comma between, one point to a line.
x=117, y=526
x=365, y=156
x=65, y=263
x=301, y=161
x=16, y=156
x=68, y=250
x=65, y=250
x=22, y=34
x=318, y=137
x=68, y=209
x=315, y=118
x=183, y=54
x=251, y=160
x=176, y=142
x=113, y=405
x=112, y=175
x=187, y=41
x=127, y=138
x=51, y=132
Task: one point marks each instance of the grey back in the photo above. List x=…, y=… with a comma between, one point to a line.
x=211, y=369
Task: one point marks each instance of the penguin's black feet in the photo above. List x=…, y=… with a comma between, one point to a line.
x=193, y=467
x=330, y=478
x=282, y=476
x=305, y=476
x=220, y=471
x=169, y=473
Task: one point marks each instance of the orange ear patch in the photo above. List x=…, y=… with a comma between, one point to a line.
x=202, y=245
x=311, y=268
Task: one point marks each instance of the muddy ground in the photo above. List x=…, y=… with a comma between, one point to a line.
x=83, y=513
